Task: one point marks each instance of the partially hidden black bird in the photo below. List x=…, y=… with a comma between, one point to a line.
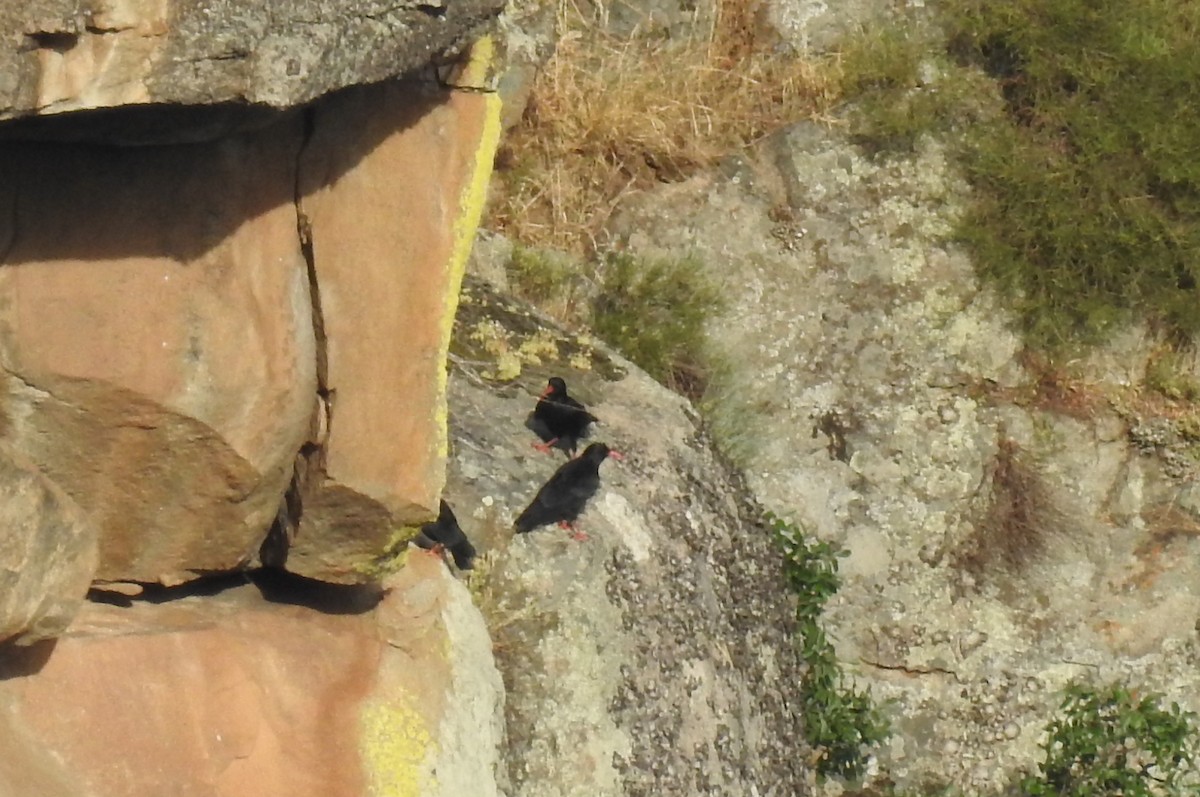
x=559, y=419
x=563, y=497
x=445, y=534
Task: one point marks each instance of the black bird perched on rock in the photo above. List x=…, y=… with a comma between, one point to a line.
x=559, y=419
x=563, y=497
x=445, y=533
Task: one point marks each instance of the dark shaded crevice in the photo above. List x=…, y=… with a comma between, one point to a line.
x=273, y=584
x=60, y=41
x=14, y=218
x=308, y=466
x=17, y=661
x=279, y=586
x=206, y=585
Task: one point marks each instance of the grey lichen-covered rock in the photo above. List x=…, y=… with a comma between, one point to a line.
x=656, y=658
x=68, y=55
x=873, y=391
x=817, y=26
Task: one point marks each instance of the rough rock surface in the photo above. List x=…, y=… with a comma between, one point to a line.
x=655, y=658
x=231, y=694
x=179, y=322
x=156, y=340
x=384, y=185
x=873, y=394
x=47, y=553
x=69, y=55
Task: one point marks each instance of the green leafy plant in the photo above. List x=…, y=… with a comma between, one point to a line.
x=840, y=721
x=654, y=311
x=1111, y=742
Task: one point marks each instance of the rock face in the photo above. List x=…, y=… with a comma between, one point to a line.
x=157, y=343
x=1003, y=539
x=176, y=328
x=68, y=55
x=47, y=553
x=386, y=213
x=655, y=658
x=233, y=695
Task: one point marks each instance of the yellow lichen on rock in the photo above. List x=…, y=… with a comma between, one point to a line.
x=543, y=344
x=396, y=747
x=495, y=340
x=581, y=360
x=470, y=208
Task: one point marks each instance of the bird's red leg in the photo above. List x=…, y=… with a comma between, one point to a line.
x=576, y=534
x=545, y=447
x=437, y=550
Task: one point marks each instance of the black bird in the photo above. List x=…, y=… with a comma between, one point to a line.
x=559, y=419
x=445, y=533
x=563, y=497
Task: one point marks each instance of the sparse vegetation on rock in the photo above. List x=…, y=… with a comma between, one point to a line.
x=655, y=311
x=612, y=113
x=1020, y=518
x=840, y=721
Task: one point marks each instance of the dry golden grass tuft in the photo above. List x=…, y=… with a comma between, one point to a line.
x=1020, y=518
x=610, y=115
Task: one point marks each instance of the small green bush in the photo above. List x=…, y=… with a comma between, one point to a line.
x=1084, y=160
x=840, y=721
x=1168, y=375
x=1089, y=186
x=540, y=275
x=1110, y=742
x=892, y=107
x=654, y=311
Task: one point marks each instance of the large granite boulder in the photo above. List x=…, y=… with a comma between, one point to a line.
x=47, y=553
x=391, y=188
x=656, y=658
x=350, y=692
x=179, y=323
x=157, y=344
x=1006, y=534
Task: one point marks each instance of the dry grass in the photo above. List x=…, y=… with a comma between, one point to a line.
x=1019, y=521
x=608, y=116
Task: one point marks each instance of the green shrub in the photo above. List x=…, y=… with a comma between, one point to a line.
x=1167, y=374
x=1110, y=742
x=840, y=721
x=1085, y=162
x=654, y=311
x=892, y=107
x=1089, y=187
x=540, y=275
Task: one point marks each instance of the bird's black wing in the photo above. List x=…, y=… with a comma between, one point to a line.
x=562, y=496
x=463, y=553
x=445, y=531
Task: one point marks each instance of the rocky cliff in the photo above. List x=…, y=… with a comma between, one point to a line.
x=70, y=55
x=231, y=241
x=1005, y=536
x=192, y=332
x=231, y=244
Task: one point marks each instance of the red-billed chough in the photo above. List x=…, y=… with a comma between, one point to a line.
x=563, y=497
x=445, y=533
x=559, y=419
